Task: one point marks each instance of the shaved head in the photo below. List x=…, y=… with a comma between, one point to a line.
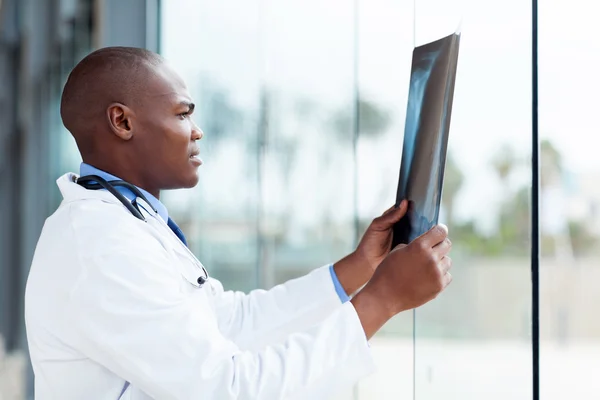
x=130, y=115
x=108, y=75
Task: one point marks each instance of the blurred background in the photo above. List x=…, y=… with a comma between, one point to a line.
x=303, y=106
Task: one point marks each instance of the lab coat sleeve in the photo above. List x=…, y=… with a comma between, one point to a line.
x=267, y=316
x=130, y=315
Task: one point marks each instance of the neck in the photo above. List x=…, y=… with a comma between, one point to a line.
x=125, y=172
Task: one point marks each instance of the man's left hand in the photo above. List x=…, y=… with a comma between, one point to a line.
x=354, y=270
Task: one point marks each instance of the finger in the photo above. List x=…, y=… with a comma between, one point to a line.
x=447, y=279
x=391, y=216
x=445, y=265
x=395, y=208
x=443, y=248
x=434, y=236
x=389, y=210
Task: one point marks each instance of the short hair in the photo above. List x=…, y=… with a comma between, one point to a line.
x=106, y=75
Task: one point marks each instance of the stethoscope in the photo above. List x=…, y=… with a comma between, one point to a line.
x=95, y=182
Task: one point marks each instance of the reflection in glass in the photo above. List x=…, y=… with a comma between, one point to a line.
x=473, y=341
x=384, y=31
x=307, y=176
x=285, y=180
x=569, y=59
x=220, y=215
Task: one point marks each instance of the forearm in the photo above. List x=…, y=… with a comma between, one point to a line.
x=371, y=310
x=263, y=317
x=190, y=355
x=316, y=362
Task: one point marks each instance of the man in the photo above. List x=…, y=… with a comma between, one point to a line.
x=118, y=307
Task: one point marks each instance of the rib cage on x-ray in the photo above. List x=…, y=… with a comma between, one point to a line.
x=426, y=135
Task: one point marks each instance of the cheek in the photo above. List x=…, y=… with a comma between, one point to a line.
x=167, y=141
x=175, y=134
x=157, y=131
x=182, y=134
x=177, y=137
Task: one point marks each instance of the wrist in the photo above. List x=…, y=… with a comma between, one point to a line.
x=352, y=272
x=380, y=293
x=372, y=311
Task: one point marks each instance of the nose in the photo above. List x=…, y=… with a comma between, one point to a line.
x=197, y=133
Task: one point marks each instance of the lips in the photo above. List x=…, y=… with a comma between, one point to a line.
x=195, y=153
x=194, y=157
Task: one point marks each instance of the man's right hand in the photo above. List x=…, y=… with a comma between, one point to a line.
x=410, y=276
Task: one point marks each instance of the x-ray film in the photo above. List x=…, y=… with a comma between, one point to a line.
x=426, y=131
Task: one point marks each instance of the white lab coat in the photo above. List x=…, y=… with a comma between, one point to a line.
x=112, y=299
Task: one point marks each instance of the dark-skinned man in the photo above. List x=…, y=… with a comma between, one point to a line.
x=117, y=307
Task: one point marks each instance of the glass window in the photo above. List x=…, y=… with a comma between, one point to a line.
x=215, y=47
x=281, y=191
x=384, y=51
x=473, y=341
x=296, y=168
x=62, y=150
x=308, y=164
x=569, y=60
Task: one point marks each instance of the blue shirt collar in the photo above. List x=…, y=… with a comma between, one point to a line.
x=86, y=169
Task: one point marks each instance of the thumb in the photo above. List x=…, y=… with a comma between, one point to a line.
x=393, y=215
x=434, y=236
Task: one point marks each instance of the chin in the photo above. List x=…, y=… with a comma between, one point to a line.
x=191, y=180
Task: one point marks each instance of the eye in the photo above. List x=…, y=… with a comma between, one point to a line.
x=184, y=115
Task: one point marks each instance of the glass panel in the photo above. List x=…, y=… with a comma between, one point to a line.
x=569, y=60
x=473, y=341
x=62, y=150
x=213, y=45
x=385, y=43
x=308, y=165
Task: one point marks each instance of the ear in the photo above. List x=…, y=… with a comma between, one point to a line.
x=120, y=120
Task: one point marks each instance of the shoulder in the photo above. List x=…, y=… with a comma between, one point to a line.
x=115, y=250
x=92, y=236
x=98, y=226
x=95, y=254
